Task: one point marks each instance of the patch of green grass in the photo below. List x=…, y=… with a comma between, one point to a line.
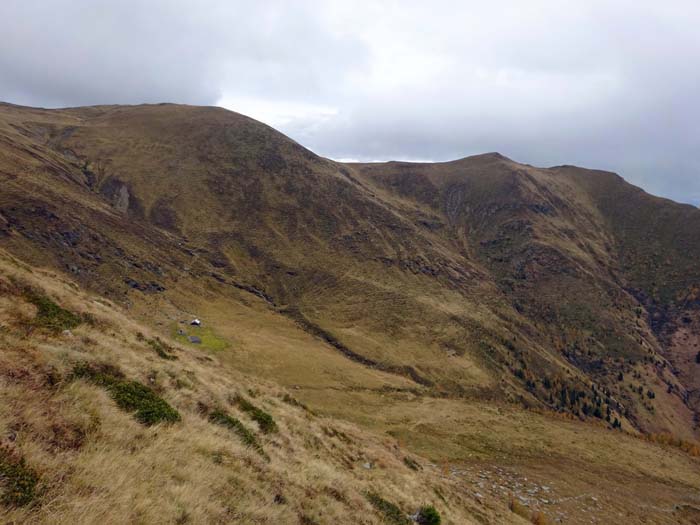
x=210, y=340
x=390, y=512
x=131, y=396
x=17, y=480
x=263, y=419
x=220, y=417
x=51, y=316
x=161, y=348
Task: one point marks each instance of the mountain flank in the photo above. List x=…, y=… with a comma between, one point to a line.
x=443, y=307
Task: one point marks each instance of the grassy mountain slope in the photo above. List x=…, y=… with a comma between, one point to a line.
x=569, y=261
x=85, y=457
x=432, y=302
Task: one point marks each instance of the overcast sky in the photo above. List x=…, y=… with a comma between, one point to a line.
x=611, y=84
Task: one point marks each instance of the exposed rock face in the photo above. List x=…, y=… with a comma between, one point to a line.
x=121, y=199
x=118, y=194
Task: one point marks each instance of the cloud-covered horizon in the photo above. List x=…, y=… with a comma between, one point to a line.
x=609, y=85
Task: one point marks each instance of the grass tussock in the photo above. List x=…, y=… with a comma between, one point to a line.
x=50, y=316
x=219, y=417
x=391, y=514
x=131, y=396
x=264, y=420
x=17, y=480
x=537, y=517
x=292, y=401
x=162, y=349
x=411, y=463
x=518, y=508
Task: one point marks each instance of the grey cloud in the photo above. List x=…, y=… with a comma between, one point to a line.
x=58, y=52
x=603, y=84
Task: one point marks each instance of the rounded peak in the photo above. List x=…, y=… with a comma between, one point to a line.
x=489, y=155
x=490, y=158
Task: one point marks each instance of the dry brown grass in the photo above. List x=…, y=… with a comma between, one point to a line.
x=98, y=464
x=536, y=517
x=692, y=448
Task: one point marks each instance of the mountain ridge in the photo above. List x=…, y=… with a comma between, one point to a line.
x=540, y=207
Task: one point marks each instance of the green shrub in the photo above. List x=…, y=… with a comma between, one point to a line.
x=163, y=350
x=220, y=417
x=17, y=480
x=148, y=407
x=427, y=515
x=262, y=418
x=131, y=396
x=390, y=512
x=49, y=315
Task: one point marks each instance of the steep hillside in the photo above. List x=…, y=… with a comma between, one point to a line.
x=104, y=421
x=413, y=300
x=603, y=272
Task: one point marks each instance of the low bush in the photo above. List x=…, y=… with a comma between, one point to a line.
x=390, y=512
x=263, y=419
x=427, y=515
x=131, y=396
x=220, y=417
x=49, y=315
x=148, y=407
x=17, y=480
